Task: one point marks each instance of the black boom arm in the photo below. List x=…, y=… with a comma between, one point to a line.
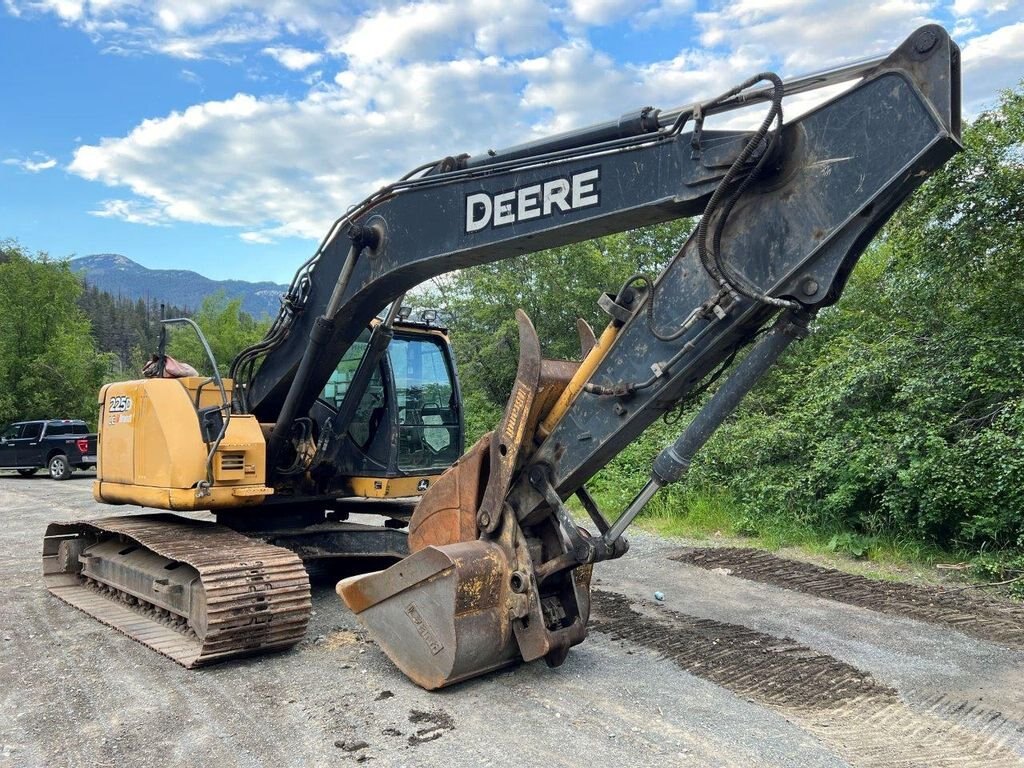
x=787, y=213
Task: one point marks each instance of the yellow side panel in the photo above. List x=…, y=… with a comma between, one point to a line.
x=116, y=442
x=179, y=498
x=169, y=451
x=389, y=487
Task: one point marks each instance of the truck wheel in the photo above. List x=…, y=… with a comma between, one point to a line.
x=28, y=472
x=60, y=467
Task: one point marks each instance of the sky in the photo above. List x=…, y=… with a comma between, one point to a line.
x=224, y=136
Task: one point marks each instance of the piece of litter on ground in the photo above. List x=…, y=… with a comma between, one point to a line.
x=659, y=596
x=351, y=746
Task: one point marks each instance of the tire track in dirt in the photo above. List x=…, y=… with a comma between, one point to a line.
x=863, y=720
x=976, y=615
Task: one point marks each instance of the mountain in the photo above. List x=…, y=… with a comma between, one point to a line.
x=120, y=275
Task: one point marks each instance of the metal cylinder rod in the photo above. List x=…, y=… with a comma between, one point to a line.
x=635, y=124
x=791, y=87
x=674, y=460
x=639, y=502
x=342, y=283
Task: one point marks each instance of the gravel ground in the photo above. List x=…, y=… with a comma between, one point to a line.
x=723, y=672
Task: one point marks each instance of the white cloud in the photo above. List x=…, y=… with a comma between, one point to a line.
x=209, y=44
x=992, y=62
x=191, y=29
x=572, y=84
x=406, y=82
x=132, y=211
x=281, y=168
x=965, y=27
x=68, y=10
x=43, y=163
x=294, y=59
x=388, y=31
x=257, y=238
x=973, y=7
x=809, y=34
x=638, y=13
x=424, y=31
x=603, y=11
x=665, y=11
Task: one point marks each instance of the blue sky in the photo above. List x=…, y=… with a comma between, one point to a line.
x=224, y=136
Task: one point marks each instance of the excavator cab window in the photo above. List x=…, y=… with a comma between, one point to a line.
x=373, y=406
x=338, y=384
x=429, y=428
x=425, y=401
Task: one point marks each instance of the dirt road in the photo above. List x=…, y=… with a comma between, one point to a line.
x=749, y=661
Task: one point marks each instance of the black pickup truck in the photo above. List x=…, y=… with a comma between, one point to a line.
x=58, y=445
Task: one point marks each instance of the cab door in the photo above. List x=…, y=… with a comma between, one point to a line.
x=428, y=408
x=9, y=445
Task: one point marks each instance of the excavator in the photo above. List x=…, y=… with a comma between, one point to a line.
x=350, y=408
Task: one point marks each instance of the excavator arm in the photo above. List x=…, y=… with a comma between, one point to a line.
x=500, y=569
x=819, y=188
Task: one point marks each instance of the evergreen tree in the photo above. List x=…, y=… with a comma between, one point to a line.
x=49, y=364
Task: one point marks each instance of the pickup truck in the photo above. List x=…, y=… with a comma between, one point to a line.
x=57, y=445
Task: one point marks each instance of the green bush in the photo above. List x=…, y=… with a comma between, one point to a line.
x=904, y=413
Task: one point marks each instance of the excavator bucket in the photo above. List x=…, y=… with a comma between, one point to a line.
x=440, y=614
x=445, y=613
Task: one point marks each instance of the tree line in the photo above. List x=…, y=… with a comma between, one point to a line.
x=61, y=339
x=127, y=328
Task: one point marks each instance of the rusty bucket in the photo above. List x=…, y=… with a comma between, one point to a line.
x=440, y=614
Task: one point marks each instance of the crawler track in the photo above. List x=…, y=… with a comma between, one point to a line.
x=973, y=614
x=767, y=669
x=864, y=721
x=257, y=596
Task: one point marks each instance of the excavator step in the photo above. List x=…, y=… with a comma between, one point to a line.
x=196, y=592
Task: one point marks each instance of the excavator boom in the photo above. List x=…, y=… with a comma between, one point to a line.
x=786, y=213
